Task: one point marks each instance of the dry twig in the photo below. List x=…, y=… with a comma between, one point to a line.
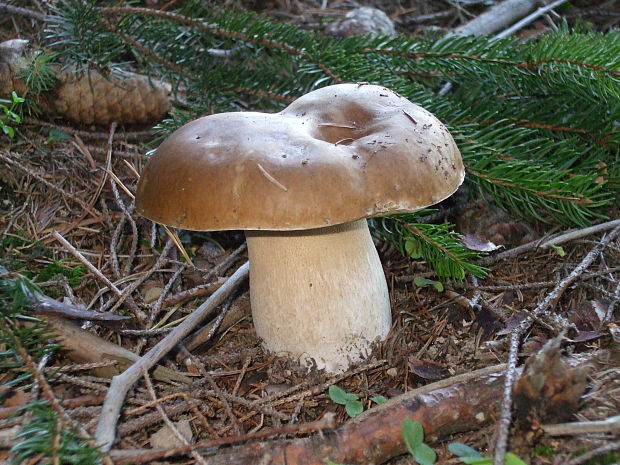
x=139, y=314
x=122, y=383
x=167, y=421
x=515, y=338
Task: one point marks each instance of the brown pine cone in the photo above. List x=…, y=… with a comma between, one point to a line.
x=362, y=21
x=91, y=98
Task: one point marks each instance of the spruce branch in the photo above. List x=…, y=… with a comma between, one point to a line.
x=536, y=121
x=45, y=436
x=437, y=244
x=16, y=325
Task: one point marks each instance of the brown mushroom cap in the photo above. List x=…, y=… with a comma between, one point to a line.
x=337, y=154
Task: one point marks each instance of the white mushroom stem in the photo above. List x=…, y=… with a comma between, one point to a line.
x=319, y=294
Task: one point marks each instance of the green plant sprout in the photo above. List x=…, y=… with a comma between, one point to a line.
x=471, y=456
x=10, y=116
x=413, y=435
x=351, y=402
x=424, y=282
x=74, y=275
x=559, y=250
x=378, y=400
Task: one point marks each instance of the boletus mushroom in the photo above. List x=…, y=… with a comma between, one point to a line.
x=301, y=183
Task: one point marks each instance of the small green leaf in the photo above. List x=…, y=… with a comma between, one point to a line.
x=413, y=434
x=463, y=450
x=423, y=282
x=354, y=408
x=329, y=462
x=559, y=250
x=8, y=130
x=16, y=98
x=378, y=400
x=512, y=459
x=413, y=249
x=424, y=455
x=337, y=395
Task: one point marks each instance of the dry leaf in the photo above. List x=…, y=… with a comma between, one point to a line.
x=165, y=438
x=427, y=369
x=476, y=242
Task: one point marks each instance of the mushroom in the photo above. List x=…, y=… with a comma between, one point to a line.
x=301, y=183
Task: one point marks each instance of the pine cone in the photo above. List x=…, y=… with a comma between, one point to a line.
x=89, y=97
x=362, y=21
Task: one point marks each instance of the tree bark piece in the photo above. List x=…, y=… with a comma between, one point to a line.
x=86, y=347
x=461, y=403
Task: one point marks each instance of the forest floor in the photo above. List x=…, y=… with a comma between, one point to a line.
x=53, y=177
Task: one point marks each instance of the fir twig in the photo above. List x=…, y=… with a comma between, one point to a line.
x=46, y=391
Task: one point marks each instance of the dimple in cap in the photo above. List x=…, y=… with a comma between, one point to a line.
x=337, y=154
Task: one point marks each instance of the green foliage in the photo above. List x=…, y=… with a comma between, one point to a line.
x=80, y=35
x=74, y=275
x=435, y=243
x=56, y=135
x=39, y=74
x=378, y=400
x=351, y=402
x=544, y=450
x=10, y=115
x=19, y=252
x=16, y=324
x=413, y=435
x=471, y=456
x=45, y=435
x=423, y=282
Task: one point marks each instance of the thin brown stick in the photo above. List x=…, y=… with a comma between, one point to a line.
x=149, y=387
x=198, y=291
x=160, y=300
x=139, y=314
x=244, y=368
x=325, y=423
x=47, y=392
x=122, y=383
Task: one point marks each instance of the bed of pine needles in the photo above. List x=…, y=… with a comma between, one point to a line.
x=79, y=182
